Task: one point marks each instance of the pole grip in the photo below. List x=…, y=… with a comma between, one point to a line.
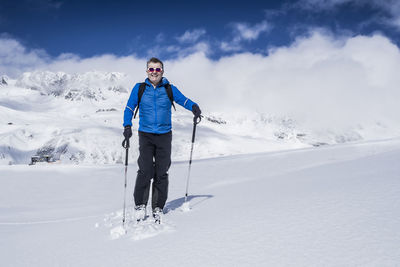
x=196, y=120
x=125, y=144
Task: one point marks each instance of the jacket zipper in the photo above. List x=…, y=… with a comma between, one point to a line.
x=155, y=109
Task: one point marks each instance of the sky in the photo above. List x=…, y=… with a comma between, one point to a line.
x=171, y=29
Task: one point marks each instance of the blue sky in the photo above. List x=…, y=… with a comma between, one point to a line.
x=170, y=29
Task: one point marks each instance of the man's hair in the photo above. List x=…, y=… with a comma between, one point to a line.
x=155, y=60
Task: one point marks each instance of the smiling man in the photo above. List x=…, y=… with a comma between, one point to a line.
x=154, y=98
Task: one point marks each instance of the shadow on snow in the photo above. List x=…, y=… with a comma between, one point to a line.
x=193, y=199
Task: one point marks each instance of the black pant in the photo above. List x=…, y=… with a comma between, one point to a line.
x=154, y=161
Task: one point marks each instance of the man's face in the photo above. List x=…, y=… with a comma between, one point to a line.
x=154, y=72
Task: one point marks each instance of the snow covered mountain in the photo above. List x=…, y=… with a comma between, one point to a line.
x=4, y=80
x=89, y=85
x=77, y=118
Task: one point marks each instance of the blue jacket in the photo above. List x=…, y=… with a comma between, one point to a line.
x=154, y=107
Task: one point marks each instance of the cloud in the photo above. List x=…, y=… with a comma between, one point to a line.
x=391, y=7
x=15, y=58
x=44, y=5
x=191, y=36
x=390, y=14
x=243, y=32
x=178, y=51
x=321, y=4
x=321, y=79
x=395, y=21
x=160, y=37
x=230, y=46
x=188, y=43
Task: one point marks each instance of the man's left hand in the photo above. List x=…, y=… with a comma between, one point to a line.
x=196, y=111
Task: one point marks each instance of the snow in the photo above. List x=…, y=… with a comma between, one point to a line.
x=186, y=206
x=336, y=205
x=77, y=119
x=265, y=189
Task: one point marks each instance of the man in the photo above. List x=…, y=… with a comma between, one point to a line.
x=155, y=136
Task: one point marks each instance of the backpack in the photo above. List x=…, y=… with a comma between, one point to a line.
x=142, y=87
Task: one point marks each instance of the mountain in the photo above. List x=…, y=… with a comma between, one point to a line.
x=89, y=85
x=4, y=80
x=77, y=118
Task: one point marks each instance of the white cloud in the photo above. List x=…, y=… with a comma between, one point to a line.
x=391, y=8
x=187, y=44
x=15, y=58
x=43, y=4
x=160, y=37
x=178, y=51
x=202, y=47
x=181, y=52
x=319, y=79
x=244, y=31
x=396, y=22
x=191, y=36
x=230, y=46
x=321, y=4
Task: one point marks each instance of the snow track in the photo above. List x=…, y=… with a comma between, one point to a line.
x=50, y=221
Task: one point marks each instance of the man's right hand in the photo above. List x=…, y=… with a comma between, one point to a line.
x=128, y=132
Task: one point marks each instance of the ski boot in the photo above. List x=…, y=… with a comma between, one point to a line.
x=140, y=213
x=157, y=215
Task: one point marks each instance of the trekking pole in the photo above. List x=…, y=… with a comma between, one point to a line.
x=195, y=122
x=125, y=144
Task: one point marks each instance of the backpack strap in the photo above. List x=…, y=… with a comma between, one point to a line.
x=170, y=95
x=142, y=87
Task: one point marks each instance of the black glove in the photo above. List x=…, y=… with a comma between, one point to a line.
x=127, y=132
x=196, y=111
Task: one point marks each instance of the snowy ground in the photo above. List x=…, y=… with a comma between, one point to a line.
x=328, y=206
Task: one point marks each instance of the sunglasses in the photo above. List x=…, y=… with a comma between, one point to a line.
x=154, y=69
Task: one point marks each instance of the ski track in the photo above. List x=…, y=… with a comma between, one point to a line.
x=51, y=221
